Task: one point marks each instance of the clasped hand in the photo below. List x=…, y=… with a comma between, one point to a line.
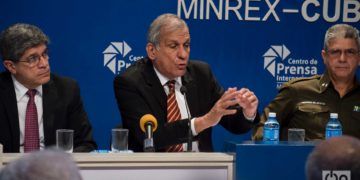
x=243, y=97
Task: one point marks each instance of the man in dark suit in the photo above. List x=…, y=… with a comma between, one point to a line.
x=145, y=88
x=33, y=102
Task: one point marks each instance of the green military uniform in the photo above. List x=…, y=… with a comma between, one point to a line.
x=307, y=103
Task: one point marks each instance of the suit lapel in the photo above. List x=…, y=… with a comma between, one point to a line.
x=49, y=104
x=9, y=97
x=191, y=93
x=196, y=107
x=156, y=90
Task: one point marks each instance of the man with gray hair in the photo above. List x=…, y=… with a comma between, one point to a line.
x=334, y=155
x=42, y=165
x=307, y=102
x=153, y=86
x=34, y=103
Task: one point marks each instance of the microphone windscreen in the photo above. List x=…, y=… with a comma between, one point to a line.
x=148, y=118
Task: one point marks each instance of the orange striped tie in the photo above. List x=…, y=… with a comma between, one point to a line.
x=173, y=113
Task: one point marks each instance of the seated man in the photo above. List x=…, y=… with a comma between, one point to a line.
x=335, y=154
x=42, y=165
x=152, y=86
x=34, y=103
x=307, y=102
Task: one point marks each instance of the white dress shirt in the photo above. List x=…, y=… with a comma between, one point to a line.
x=181, y=103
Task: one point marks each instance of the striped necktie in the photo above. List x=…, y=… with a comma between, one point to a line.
x=173, y=113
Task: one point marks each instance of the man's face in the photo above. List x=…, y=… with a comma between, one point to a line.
x=342, y=59
x=172, y=55
x=33, y=67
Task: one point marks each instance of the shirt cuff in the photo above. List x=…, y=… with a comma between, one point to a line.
x=249, y=118
x=192, y=124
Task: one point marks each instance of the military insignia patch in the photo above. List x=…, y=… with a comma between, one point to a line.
x=357, y=108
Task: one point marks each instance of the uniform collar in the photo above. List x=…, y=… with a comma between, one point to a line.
x=325, y=82
x=357, y=83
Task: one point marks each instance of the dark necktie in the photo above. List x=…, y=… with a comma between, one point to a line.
x=31, y=124
x=173, y=113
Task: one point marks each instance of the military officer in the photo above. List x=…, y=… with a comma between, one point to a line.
x=307, y=102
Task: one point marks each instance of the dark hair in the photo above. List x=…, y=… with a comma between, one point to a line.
x=16, y=39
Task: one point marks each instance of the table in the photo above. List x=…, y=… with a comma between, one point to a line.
x=135, y=166
x=261, y=160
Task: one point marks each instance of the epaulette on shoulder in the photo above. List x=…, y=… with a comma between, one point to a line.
x=295, y=80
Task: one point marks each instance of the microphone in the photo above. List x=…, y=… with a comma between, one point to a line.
x=183, y=91
x=148, y=125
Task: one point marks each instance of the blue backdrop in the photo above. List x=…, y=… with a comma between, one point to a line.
x=249, y=43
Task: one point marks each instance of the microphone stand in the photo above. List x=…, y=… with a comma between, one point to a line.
x=148, y=124
x=189, y=140
x=149, y=142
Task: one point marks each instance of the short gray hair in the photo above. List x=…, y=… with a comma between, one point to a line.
x=42, y=165
x=16, y=39
x=165, y=20
x=337, y=153
x=341, y=31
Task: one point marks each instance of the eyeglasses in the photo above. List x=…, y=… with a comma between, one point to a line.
x=34, y=59
x=347, y=52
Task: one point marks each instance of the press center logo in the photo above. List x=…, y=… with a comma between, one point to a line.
x=117, y=57
x=336, y=175
x=279, y=63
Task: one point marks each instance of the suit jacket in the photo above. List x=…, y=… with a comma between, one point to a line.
x=138, y=92
x=62, y=109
